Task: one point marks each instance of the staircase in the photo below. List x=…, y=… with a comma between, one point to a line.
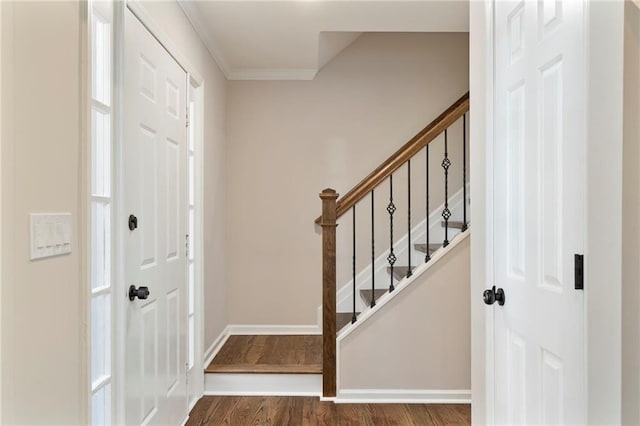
x=402, y=250
x=408, y=254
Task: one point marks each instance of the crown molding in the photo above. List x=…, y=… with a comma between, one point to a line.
x=190, y=9
x=272, y=74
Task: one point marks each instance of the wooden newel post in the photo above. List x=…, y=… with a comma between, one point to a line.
x=328, y=224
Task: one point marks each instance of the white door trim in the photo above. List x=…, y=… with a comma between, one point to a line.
x=481, y=167
x=603, y=256
x=138, y=9
x=603, y=231
x=196, y=86
x=118, y=223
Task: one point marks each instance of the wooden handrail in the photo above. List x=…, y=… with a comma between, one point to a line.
x=398, y=158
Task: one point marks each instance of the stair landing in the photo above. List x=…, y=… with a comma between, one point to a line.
x=269, y=354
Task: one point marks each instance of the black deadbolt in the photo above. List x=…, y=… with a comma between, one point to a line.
x=133, y=222
x=492, y=295
x=141, y=292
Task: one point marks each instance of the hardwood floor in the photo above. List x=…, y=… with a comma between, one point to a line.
x=269, y=354
x=295, y=411
x=301, y=354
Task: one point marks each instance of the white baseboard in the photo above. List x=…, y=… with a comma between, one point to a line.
x=327, y=399
x=240, y=329
x=405, y=396
x=263, y=384
x=215, y=347
x=193, y=403
x=186, y=419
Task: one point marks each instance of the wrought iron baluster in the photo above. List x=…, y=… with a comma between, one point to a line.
x=446, y=213
x=409, y=272
x=427, y=257
x=373, y=257
x=353, y=318
x=464, y=173
x=391, y=208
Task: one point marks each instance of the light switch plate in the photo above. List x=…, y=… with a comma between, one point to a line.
x=50, y=234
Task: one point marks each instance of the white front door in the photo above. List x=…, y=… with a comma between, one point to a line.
x=154, y=155
x=539, y=211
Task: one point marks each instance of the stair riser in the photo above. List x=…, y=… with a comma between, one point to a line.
x=263, y=384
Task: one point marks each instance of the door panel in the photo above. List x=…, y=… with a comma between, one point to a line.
x=539, y=187
x=154, y=152
x=147, y=362
x=147, y=161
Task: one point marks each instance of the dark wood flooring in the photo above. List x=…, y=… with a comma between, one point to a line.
x=295, y=411
x=269, y=354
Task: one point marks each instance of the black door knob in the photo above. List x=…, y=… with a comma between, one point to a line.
x=492, y=295
x=489, y=297
x=133, y=222
x=140, y=293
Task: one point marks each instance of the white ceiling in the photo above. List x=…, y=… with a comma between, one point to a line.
x=294, y=39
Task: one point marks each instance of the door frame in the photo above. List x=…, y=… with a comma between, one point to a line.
x=481, y=176
x=196, y=86
x=603, y=254
x=194, y=79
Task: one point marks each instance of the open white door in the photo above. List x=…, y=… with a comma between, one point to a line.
x=154, y=153
x=539, y=211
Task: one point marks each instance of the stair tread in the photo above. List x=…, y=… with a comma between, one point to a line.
x=423, y=247
x=399, y=272
x=344, y=318
x=366, y=294
x=456, y=224
x=269, y=354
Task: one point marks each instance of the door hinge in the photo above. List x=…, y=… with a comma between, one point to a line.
x=186, y=246
x=187, y=119
x=579, y=271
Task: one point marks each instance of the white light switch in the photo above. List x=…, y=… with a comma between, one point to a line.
x=50, y=234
